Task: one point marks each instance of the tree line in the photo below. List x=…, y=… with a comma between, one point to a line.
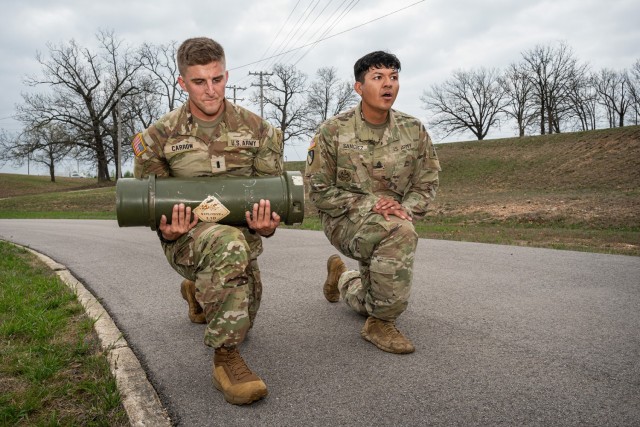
x=548, y=91
x=86, y=104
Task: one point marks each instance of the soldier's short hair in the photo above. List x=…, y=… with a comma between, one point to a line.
x=377, y=59
x=199, y=51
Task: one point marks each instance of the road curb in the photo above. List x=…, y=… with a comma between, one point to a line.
x=139, y=398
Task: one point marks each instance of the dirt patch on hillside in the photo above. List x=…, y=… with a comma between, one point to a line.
x=594, y=211
x=598, y=160
x=588, y=178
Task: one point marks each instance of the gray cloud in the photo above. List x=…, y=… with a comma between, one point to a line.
x=432, y=38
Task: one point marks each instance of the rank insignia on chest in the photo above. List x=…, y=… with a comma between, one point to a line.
x=218, y=164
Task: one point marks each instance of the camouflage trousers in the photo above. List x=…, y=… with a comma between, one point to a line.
x=222, y=261
x=385, y=252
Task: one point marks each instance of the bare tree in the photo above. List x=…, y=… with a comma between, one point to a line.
x=142, y=109
x=583, y=98
x=470, y=100
x=51, y=144
x=550, y=70
x=161, y=62
x=613, y=94
x=328, y=96
x=634, y=91
x=519, y=97
x=47, y=144
x=16, y=149
x=83, y=90
x=7, y=141
x=159, y=88
x=284, y=101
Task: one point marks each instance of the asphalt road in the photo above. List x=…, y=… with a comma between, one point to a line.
x=504, y=335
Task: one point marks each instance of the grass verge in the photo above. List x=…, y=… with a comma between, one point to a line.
x=531, y=219
x=52, y=371
x=609, y=240
x=95, y=203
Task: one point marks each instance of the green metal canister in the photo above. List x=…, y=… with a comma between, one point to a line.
x=141, y=202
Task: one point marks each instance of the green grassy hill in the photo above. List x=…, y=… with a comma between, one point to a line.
x=590, y=179
x=572, y=190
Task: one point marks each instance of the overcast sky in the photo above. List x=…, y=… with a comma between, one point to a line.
x=432, y=38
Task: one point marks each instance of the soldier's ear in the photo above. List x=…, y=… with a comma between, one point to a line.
x=181, y=83
x=357, y=86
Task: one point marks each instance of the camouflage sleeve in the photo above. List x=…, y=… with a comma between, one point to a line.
x=149, y=154
x=268, y=160
x=321, y=175
x=424, y=183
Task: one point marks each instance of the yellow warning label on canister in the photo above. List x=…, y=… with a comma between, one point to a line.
x=211, y=210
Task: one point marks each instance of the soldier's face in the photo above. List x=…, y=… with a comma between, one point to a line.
x=379, y=90
x=205, y=85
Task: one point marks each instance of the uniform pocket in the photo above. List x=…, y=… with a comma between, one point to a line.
x=401, y=173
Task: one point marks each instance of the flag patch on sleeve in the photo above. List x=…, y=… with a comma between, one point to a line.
x=138, y=145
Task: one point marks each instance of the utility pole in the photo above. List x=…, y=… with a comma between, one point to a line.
x=234, y=88
x=118, y=148
x=261, y=84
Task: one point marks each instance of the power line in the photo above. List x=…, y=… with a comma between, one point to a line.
x=290, y=37
x=344, y=13
x=280, y=30
x=329, y=37
x=312, y=24
x=276, y=37
x=319, y=28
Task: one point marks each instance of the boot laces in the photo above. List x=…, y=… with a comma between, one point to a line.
x=237, y=365
x=390, y=329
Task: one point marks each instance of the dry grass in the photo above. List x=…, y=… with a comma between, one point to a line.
x=577, y=191
x=12, y=185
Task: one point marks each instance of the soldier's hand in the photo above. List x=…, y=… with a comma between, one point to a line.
x=386, y=203
x=386, y=207
x=181, y=222
x=262, y=220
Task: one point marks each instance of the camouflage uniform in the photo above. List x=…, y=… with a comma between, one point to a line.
x=350, y=166
x=220, y=259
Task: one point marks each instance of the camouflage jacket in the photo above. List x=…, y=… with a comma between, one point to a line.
x=242, y=145
x=349, y=168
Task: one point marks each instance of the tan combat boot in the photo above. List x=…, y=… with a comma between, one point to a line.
x=234, y=379
x=386, y=336
x=188, y=291
x=335, y=268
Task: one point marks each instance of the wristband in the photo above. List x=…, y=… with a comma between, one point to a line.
x=162, y=239
x=272, y=233
x=252, y=231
